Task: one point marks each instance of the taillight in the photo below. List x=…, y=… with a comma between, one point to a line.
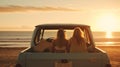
x=108, y=65
x=18, y=65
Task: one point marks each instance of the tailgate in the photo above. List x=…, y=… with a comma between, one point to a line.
x=63, y=60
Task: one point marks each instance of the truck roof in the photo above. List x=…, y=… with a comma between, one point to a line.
x=64, y=26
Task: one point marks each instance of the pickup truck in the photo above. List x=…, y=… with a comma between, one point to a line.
x=39, y=53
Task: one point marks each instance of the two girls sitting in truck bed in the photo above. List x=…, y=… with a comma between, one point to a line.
x=61, y=45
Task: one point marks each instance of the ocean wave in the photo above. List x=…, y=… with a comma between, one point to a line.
x=107, y=39
x=15, y=38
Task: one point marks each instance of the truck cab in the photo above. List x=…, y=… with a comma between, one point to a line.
x=40, y=54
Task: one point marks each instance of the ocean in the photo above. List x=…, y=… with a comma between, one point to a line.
x=15, y=38
x=23, y=38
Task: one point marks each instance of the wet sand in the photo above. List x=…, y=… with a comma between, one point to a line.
x=113, y=53
x=8, y=56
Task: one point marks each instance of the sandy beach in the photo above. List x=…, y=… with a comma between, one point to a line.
x=8, y=55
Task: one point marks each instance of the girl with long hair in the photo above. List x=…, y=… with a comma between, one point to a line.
x=60, y=44
x=77, y=41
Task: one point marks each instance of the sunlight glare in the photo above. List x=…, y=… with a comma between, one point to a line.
x=107, y=22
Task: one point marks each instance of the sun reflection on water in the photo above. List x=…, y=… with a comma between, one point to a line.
x=109, y=43
x=109, y=35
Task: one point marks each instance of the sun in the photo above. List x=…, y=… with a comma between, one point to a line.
x=107, y=22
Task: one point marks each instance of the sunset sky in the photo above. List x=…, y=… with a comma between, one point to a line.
x=101, y=15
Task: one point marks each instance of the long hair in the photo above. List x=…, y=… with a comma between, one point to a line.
x=60, y=34
x=78, y=34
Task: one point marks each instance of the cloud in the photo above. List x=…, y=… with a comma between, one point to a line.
x=13, y=8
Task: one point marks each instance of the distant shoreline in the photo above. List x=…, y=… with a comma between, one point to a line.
x=28, y=45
